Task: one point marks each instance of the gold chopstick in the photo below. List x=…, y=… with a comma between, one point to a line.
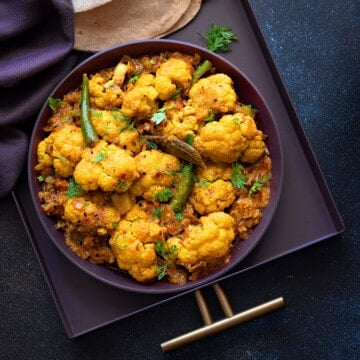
x=231, y=320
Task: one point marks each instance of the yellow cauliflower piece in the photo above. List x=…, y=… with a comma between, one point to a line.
x=214, y=171
x=173, y=74
x=133, y=245
x=156, y=170
x=211, y=197
x=62, y=149
x=105, y=167
x=205, y=246
x=213, y=93
x=181, y=120
x=140, y=101
x=123, y=202
x=89, y=216
x=102, y=96
x=115, y=127
x=229, y=138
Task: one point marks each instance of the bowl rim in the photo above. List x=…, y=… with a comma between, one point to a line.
x=87, y=266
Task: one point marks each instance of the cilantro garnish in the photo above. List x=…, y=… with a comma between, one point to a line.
x=218, y=38
x=159, y=116
x=258, y=184
x=74, y=189
x=157, y=213
x=54, y=103
x=163, y=195
x=135, y=76
x=167, y=253
x=100, y=156
x=189, y=139
x=211, y=116
x=238, y=179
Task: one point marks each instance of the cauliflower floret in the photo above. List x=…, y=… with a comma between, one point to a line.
x=105, y=167
x=62, y=149
x=134, y=248
x=115, y=127
x=140, y=101
x=205, y=246
x=123, y=202
x=211, y=197
x=212, y=172
x=213, y=93
x=172, y=75
x=233, y=137
x=181, y=120
x=90, y=216
x=156, y=173
x=102, y=96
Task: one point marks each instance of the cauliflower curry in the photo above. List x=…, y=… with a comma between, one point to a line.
x=176, y=173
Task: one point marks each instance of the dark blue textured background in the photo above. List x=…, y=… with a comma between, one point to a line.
x=315, y=45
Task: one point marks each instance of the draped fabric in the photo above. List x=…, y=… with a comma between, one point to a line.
x=36, y=40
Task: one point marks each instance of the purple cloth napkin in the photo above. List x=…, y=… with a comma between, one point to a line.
x=36, y=39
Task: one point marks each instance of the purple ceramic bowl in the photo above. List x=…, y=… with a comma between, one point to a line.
x=246, y=91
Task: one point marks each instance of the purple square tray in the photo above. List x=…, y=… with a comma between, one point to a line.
x=306, y=213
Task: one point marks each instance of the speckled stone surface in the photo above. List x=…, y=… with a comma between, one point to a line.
x=315, y=45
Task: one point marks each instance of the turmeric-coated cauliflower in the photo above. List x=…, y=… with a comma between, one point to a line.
x=208, y=197
x=214, y=171
x=62, y=149
x=156, y=170
x=90, y=216
x=181, y=120
x=174, y=74
x=115, y=127
x=206, y=246
x=103, y=96
x=232, y=138
x=105, y=167
x=214, y=93
x=140, y=101
x=133, y=243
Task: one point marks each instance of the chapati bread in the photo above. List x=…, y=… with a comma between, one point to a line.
x=86, y=5
x=124, y=20
x=189, y=14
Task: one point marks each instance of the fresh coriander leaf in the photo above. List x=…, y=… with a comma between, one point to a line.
x=211, y=116
x=74, y=189
x=163, y=195
x=204, y=183
x=122, y=184
x=54, y=103
x=159, y=116
x=218, y=38
x=157, y=213
x=40, y=178
x=100, y=156
x=167, y=253
x=179, y=216
x=134, y=77
x=238, y=179
x=258, y=184
x=190, y=139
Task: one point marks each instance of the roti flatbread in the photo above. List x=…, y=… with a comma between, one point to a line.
x=189, y=14
x=86, y=5
x=124, y=20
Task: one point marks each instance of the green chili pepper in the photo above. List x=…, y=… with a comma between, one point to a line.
x=200, y=71
x=86, y=125
x=185, y=186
